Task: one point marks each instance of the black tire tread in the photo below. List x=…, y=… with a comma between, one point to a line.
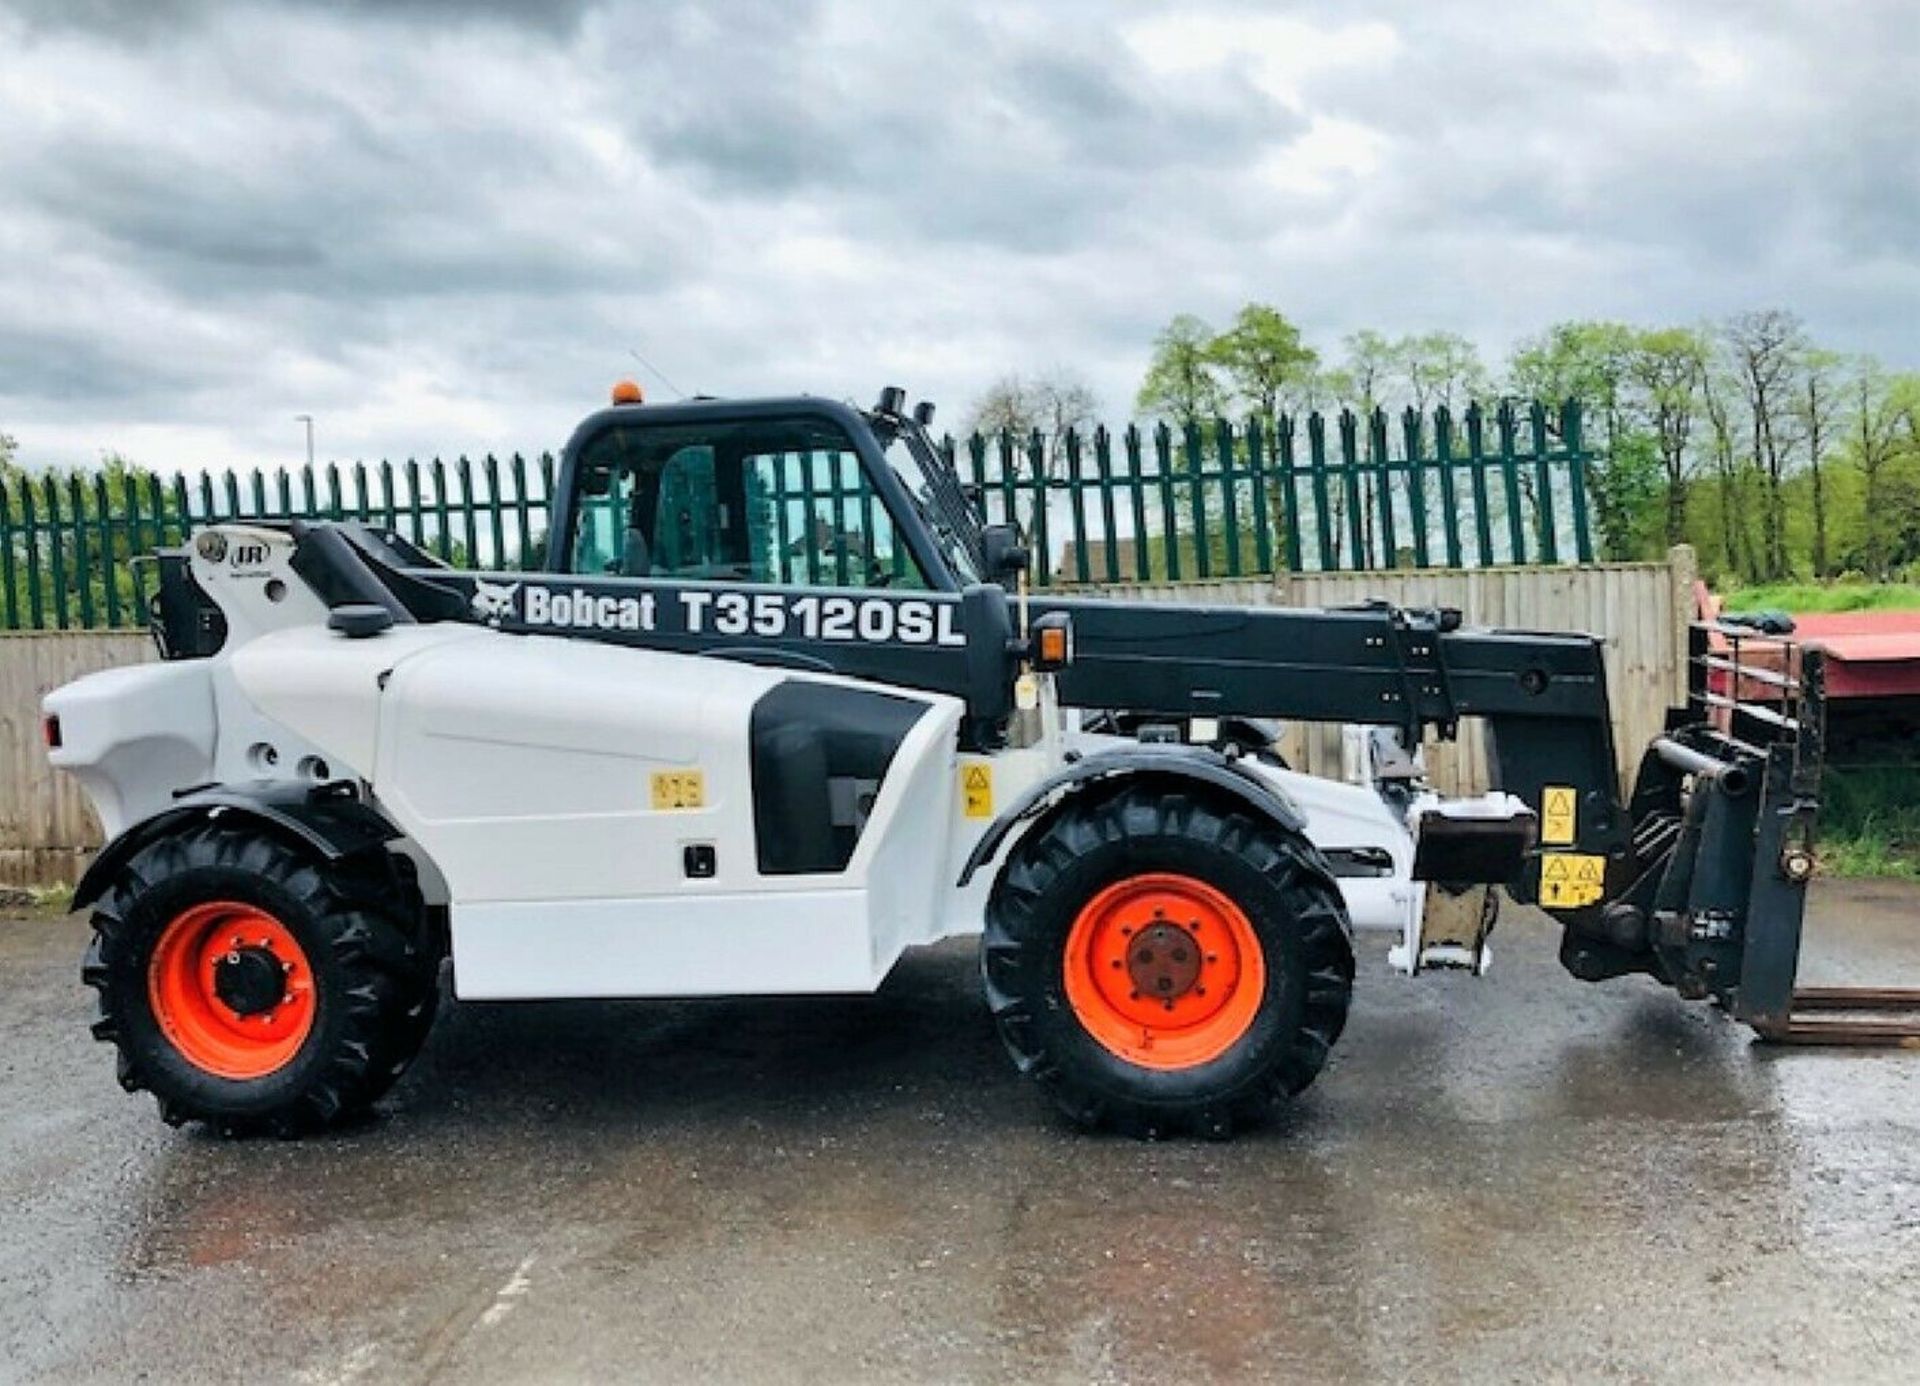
x=367, y=912
x=1016, y=941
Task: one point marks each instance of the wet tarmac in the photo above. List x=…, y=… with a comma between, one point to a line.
x=1517, y=1178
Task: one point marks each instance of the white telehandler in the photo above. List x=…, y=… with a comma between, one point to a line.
x=745, y=735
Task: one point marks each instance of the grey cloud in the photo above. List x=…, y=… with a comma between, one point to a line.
x=440, y=226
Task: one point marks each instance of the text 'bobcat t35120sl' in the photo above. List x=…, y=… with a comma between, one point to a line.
x=771, y=716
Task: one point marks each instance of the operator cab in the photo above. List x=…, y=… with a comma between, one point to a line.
x=784, y=492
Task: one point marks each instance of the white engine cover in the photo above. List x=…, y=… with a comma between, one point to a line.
x=528, y=769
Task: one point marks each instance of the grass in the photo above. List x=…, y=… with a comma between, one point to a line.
x=1870, y=822
x=1812, y=597
x=33, y=902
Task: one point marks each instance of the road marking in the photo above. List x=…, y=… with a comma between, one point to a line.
x=516, y=1288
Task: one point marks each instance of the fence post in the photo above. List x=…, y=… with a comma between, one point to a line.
x=1449, y=496
x=1416, y=455
x=1683, y=569
x=109, y=560
x=1163, y=463
x=1571, y=430
x=977, y=465
x=1142, y=559
x=1477, y=462
x=29, y=522
x=1042, y=538
x=1322, y=498
x=442, y=516
x=1076, y=495
x=1223, y=441
x=9, y=593
x=496, y=513
x=1510, y=482
x=470, y=522
x=1197, y=494
x=1257, y=470
x=1543, y=484
x=1290, y=488
x=1350, y=489
x=1377, y=445
x=1103, y=469
x=57, y=550
x=181, y=507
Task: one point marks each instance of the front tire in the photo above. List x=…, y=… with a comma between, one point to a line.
x=1162, y=961
x=249, y=986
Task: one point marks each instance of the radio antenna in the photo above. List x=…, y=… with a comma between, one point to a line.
x=658, y=372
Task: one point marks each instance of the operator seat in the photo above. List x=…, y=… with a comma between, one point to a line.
x=636, y=558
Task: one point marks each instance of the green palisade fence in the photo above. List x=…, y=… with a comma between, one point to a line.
x=1216, y=500
x=1490, y=488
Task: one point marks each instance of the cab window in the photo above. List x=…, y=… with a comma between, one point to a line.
x=783, y=502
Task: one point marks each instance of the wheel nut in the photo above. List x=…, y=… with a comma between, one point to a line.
x=233, y=957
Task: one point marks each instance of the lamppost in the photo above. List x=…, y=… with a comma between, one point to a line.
x=307, y=419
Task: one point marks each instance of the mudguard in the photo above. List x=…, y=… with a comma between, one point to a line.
x=325, y=819
x=1200, y=764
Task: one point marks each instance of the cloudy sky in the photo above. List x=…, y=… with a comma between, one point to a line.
x=442, y=227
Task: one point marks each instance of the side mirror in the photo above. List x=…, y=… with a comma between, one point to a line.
x=1006, y=555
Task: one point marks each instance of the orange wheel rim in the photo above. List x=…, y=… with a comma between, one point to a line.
x=231, y=989
x=1164, y=971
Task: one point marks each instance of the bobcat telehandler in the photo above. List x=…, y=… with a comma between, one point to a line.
x=755, y=732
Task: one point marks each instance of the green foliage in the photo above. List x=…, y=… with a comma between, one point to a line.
x=1870, y=822
x=1263, y=356
x=1801, y=597
x=1183, y=383
x=115, y=510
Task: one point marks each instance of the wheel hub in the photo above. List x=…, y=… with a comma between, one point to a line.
x=250, y=980
x=1163, y=962
x=232, y=989
x=1164, y=970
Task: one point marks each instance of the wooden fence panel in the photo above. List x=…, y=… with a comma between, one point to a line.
x=46, y=826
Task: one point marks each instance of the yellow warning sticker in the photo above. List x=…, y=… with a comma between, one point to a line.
x=1569, y=880
x=675, y=790
x=976, y=789
x=1558, y=822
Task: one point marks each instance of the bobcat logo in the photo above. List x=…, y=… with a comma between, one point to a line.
x=493, y=601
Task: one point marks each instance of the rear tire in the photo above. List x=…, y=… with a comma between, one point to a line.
x=248, y=985
x=1162, y=961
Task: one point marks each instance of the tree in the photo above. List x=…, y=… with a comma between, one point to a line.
x=1886, y=433
x=1441, y=369
x=1372, y=364
x=1263, y=356
x=1181, y=384
x=1007, y=405
x=1816, y=410
x=1667, y=366
x=1589, y=362
x=1718, y=390
x=1046, y=407
x=1768, y=348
